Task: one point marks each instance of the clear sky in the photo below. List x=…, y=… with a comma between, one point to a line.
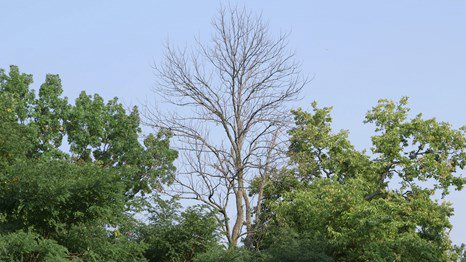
x=358, y=51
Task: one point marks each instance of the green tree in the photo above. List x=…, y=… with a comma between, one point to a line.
x=15, y=138
x=16, y=86
x=74, y=205
x=48, y=117
x=174, y=235
x=361, y=206
x=220, y=253
x=105, y=134
x=28, y=246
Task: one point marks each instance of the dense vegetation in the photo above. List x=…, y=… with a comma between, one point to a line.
x=74, y=178
x=252, y=181
x=76, y=203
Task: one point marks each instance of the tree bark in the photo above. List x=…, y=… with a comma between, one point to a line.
x=236, y=89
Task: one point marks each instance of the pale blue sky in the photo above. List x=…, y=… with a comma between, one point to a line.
x=358, y=51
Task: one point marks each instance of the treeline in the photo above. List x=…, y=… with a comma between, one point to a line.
x=328, y=204
x=80, y=181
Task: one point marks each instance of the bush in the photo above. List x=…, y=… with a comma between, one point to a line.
x=28, y=246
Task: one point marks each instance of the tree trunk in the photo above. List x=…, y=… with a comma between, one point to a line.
x=235, y=234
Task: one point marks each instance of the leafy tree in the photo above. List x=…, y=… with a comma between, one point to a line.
x=52, y=195
x=99, y=132
x=389, y=228
x=173, y=235
x=285, y=244
x=333, y=202
x=376, y=206
x=318, y=152
x=220, y=253
x=16, y=86
x=72, y=204
x=28, y=246
x=58, y=204
x=48, y=117
x=14, y=137
x=105, y=134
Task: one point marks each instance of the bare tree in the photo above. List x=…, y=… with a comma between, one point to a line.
x=232, y=96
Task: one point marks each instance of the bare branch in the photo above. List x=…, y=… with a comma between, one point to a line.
x=230, y=100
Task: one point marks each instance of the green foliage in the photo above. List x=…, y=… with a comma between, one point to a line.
x=416, y=150
x=15, y=138
x=49, y=115
x=285, y=244
x=288, y=247
x=173, y=235
x=93, y=242
x=53, y=195
x=28, y=246
x=393, y=228
x=105, y=134
x=102, y=132
x=16, y=86
x=333, y=203
x=318, y=151
x=75, y=204
x=96, y=131
x=460, y=251
x=219, y=253
x=370, y=207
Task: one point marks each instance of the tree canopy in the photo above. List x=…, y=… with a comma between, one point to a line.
x=81, y=181
x=364, y=206
x=72, y=203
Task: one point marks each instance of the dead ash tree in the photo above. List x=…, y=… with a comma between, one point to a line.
x=230, y=98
